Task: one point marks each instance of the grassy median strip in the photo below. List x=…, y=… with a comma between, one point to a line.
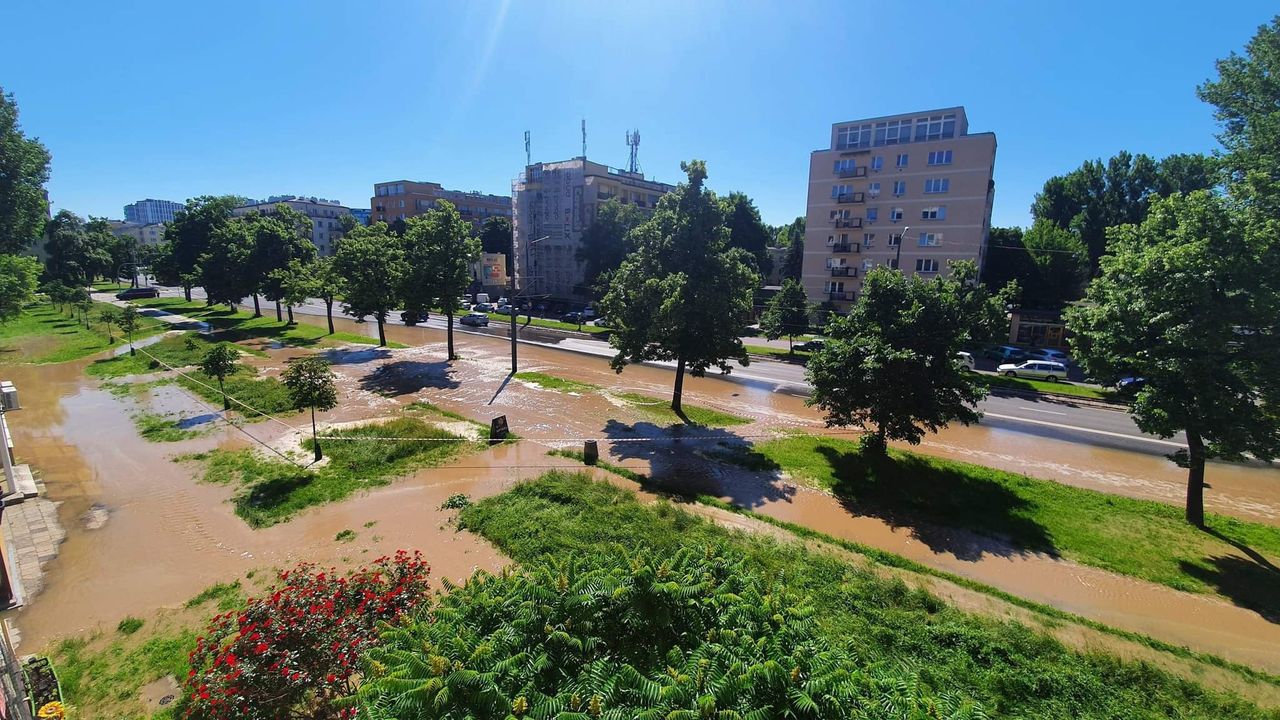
x=498, y=318
x=1140, y=538
x=659, y=410
x=237, y=325
x=1057, y=388
x=44, y=334
x=272, y=490
x=1014, y=669
x=551, y=382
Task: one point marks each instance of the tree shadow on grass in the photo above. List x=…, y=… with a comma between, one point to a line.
x=1251, y=582
x=351, y=356
x=260, y=501
x=405, y=377
x=948, y=509
x=677, y=462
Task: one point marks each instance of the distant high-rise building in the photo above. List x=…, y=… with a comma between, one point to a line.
x=362, y=215
x=326, y=228
x=553, y=203
x=921, y=170
x=149, y=211
x=403, y=199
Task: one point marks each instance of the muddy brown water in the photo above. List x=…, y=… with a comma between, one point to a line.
x=165, y=537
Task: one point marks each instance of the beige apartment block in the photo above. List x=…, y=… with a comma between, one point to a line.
x=326, y=226
x=924, y=171
x=403, y=199
x=553, y=203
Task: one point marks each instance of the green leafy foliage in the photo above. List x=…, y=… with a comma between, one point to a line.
x=787, y=313
x=439, y=250
x=371, y=263
x=311, y=383
x=24, y=169
x=18, y=277
x=606, y=242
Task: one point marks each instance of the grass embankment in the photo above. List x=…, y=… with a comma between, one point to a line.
x=239, y=325
x=44, y=334
x=1015, y=670
x=655, y=409
x=272, y=491
x=1057, y=388
x=1140, y=538
x=780, y=353
x=505, y=320
x=109, y=286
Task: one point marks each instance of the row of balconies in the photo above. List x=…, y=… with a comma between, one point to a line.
x=853, y=197
x=840, y=248
x=843, y=271
x=842, y=222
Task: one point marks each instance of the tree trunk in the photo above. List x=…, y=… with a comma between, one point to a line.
x=279, y=317
x=449, y=323
x=328, y=311
x=290, y=309
x=791, y=344
x=186, y=291
x=226, y=404
x=315, y=441
x=1195, y=479
x=679, y=391
x=132, y=350
x=382, y=334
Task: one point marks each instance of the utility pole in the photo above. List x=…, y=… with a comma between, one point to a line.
x=897, y=260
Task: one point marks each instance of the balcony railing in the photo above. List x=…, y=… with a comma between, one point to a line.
x=843, y=271
x=854, y=197
x=848, y=222
x=845, y=248
x=853, y=172
x=842, y=296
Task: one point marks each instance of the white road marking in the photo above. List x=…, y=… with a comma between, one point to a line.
x=1077, y=428
x=1047, y=412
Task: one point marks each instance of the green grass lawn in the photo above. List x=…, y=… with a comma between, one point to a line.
x=780, y=353
x=109, y=286
x=551, y=382
x=1140, y=538
x=162, y=428
x=44, y=334
x=272, y=491
x=505, y=320
x=1016, y=671
x=659, y=410
x=238, y=325
x=1060, y=388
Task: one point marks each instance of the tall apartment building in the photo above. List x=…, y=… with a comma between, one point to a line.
x=152, y=234
x=404, y=199
x=150, y=212
x=924, y=171
x=326, y=228
x=553, y=203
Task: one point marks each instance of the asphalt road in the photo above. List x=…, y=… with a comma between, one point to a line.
x=1057, y=419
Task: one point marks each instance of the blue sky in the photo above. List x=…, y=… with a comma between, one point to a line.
x=172, y=100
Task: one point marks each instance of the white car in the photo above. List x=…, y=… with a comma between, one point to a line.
x=966, y=361
x=1049, y=354
x=1035, y=370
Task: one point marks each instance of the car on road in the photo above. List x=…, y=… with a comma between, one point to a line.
x=483, y=307
x=1049, y=354
x=573, y=318
x=411, y=317
x=504, y=308
x=1005, y=353
x=813, y=345
x=1035, y=370
x=475, y=319
x=138, y=293
x=966, y=361
x=1130, y=385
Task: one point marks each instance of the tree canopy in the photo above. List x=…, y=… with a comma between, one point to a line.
x=19, y=276
x=24, y=169
x=438, y=250
x=496, y=237
x=683, y=295
x=226, y=267
x=605, y=243
x=787, y=313
x=371, y=263
x=747, y=230
x=187, y=238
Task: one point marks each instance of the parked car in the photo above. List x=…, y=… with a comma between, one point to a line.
x=475, y=319
x=966, y=361
x=483, y=307
x=1036, y=370
x=1049, y=354
x=573, y=318
x=1130, y=385
x=504, y=308
x=589, y=314
x=1005, y=353
x=138, y=293
x=813, y=345
x=411, y=317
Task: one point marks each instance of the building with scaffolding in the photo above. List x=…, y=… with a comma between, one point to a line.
x=552, y=204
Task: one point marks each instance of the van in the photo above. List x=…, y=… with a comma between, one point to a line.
x=482, y=298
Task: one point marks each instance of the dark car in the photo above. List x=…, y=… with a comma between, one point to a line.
x=810, y=346
x=138, y=293
x=573, y=318
x=412, y=317
x=1130, y=385
x=475, y=319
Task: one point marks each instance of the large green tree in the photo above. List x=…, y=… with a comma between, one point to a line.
x=496, y=237
x=370, y=261
x=439, y=250
x=891, y=363
x=108, y=252
x=747, y=230
x=71, y=257
x=1007, y=258
x=226, y=267
x=1060, y=265
x=189, y=235
x=311, y=387
x=1190, y=300
x=281, y=237
x=24, y=169
x=683, y=295
x=787, y=313
x=605, y=242
x=19, y=277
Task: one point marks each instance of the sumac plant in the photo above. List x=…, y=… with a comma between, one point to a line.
x=622, y=635
x=291, y=653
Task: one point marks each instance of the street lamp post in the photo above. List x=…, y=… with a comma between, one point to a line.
x=512, y=307
x=897, y=260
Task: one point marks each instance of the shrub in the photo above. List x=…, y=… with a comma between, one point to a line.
x=129, y=625
x=291, y=653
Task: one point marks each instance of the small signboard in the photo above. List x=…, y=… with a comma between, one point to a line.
x=498, y=429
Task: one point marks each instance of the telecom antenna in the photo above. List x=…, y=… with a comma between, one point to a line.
x=528, y=159
x=584, y=137
x=633, y=140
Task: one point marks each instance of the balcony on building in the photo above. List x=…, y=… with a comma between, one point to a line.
x=843, y=271
x=853, y=197
x=845, y=248
x=847, y=222
x=853, y=172
x=843, y=296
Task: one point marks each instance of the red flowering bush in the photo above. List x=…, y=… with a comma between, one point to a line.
x=290, y=654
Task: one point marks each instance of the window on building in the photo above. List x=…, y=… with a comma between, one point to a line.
x=873, y=189
x=868, y=264
x=928, y=239
x=831, y=239
x=868, y=239
x=926, y=265
x=902, y=160
x=893, y=132
x=899, y=188
x=892, y=263
x=873, y=214
x=934, y=213
x=940, y=157
x=895, y=239
x=401, y=203
x=895, y=214
x=936, y=127
x=853, y=136
x=937, y=185
x=839, y=190
x=844, y=165
x=877, y=163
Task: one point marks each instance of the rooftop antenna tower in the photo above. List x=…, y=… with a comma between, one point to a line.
x=528, y=159
x=633, y=140
x=584, y=137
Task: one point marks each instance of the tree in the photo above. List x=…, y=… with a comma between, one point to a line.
x=793, y=263
x=84, y=304
x=325, y=283
x=892, y=361
x=107, y=252
x=747, y=230
x=1189, y=300
x=109, y=316
x=190, y=233
x=1246, y=98
x=439, y=251
x=371, y=263
x=68, y=249
x=19, y=275
x=226, y=267
x=605, y=242
x=1060, y=262
x=128, y=322
x=296, y=285
x=496, y=237
x=787, y=314
x=295, y=651
x=24, y=169
x=684, y=295
x=218, y=362
x=1007, y=258
x=280, y=237
x=311, y=385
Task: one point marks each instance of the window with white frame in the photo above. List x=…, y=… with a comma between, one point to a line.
x=853, y=136
x=934, y=213
x=868, y=239
x=877, y=163
x=838, y=190
x=868, y=264
x=936, y=127
x=844, y=238
x=899, y=188
x=835, y=263
x=926, y=265
x=928, y=239
x=831, y=239
x=895, y=214
x=940, y=157
x=873, y=189
x=873, y=214
x=844, y=165
x=902, y=160
x=937, y=185
x=895, y=239
x=893, y=132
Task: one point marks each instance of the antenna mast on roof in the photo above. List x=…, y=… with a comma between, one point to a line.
x=633, y=140
x=584, y=137
x=527, y=157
